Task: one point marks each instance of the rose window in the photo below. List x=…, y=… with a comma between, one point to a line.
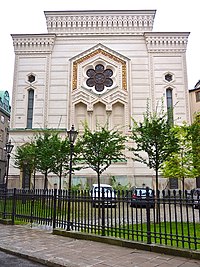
x=99, y=78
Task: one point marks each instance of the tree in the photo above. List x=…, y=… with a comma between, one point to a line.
x=60, y=155
x=154, y=136
x=180, y=163
x=23, y=153
x=45, y=142
x=26, y=155
x=194, y=132
x=101, y=148
x=47, y=152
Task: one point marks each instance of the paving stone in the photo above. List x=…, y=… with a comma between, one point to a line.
x=58, y=251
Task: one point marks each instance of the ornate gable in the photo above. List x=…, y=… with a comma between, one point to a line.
x=99, y=87
x=111, y=63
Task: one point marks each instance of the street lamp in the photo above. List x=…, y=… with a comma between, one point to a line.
x=8, y=148
x=72, y=134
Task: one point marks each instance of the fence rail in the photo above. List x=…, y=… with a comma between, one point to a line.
x=167, y=219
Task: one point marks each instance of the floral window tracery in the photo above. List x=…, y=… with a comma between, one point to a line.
x=99, y=78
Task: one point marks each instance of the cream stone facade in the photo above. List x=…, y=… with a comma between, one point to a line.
x=96, y=66
x=194, y=100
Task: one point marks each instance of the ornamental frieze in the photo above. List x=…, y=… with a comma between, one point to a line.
x=33, y=43
x=167, y=42
x=102, y=22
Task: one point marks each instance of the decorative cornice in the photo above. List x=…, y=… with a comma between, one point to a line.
x=166, y=42
x=33, y=43
x=99, y=22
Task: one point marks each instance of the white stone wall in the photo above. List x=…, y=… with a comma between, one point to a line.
x=125, y=42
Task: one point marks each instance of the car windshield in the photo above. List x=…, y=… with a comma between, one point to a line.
x=197, y=192
x=106, y=189
x=143, y=192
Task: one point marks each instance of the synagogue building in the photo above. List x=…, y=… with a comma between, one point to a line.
x=100, y=67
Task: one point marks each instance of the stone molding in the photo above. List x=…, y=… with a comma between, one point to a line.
x=166, y=42
x=38, y=43
x=108, y=99
x=100, y=22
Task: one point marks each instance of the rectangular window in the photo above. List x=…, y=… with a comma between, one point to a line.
x=2, y=119
x=170, y=106
x=1, y=153
x=1, y=135
x=30, y=109
x=197, y=96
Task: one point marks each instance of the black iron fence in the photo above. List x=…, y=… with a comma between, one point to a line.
x=166, y=218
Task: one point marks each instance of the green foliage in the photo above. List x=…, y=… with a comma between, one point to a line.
x=76, y=187
x=46, y=153
x=60, y=154
x=154, y=136
x=180, y=163
x=117, y=186
x=45, y=142
x=80, y=186
x=26, y=155
x=99, y=149
x=194, y=132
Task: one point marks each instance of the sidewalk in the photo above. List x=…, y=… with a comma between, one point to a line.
x=42, y=246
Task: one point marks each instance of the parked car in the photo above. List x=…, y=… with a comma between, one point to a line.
x=142, y=198
x=106, y=195
x=190, y=197
x=196, y=198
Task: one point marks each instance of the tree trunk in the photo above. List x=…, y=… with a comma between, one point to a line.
x=183, y=186
x=60, y=176
x=156, y=199
x=45, y=181
x=156, y=183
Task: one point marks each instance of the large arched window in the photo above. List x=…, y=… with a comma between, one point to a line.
x=30, y=109
x=169, y=98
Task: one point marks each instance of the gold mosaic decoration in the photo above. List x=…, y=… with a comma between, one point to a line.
x=103, y=52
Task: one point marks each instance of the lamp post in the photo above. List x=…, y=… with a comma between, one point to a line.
x=8, y=148
x=72, y=134
x=25, y=164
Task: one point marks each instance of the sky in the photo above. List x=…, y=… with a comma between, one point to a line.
x=27, y=17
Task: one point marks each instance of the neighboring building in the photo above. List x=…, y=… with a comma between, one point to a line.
x=194, y=96
x=194, y=100
x=97, y=66
x=4, y=127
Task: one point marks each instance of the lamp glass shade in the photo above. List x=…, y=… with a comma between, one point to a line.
x=72, y=134
x=9, y=147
